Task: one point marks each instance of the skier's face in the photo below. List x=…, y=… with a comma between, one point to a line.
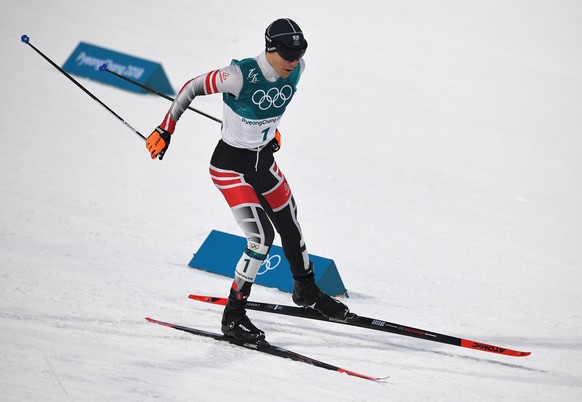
x=282, y=67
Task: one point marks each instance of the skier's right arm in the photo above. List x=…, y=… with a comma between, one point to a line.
x=228, y=79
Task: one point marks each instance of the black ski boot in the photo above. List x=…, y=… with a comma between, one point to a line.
x=236, y=324
x=307, y=294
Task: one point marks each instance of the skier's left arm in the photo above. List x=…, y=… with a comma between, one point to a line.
x=276, y=142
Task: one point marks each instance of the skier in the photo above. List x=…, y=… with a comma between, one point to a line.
x=256, y=92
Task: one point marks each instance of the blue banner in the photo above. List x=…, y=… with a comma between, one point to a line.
x=86, y=60
x=221, y=251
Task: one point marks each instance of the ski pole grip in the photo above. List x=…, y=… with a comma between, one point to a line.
x=103, y=67
x=24, y=38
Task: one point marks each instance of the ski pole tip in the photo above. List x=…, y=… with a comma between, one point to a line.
x=103, y=67
x=24, y=38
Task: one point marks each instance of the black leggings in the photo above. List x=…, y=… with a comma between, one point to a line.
x=258, y=195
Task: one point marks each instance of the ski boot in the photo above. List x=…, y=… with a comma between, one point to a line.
x=307, y=294
x=236, y=324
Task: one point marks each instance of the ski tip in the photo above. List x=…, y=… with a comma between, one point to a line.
x=492, y=348
x=24, y=38
x=103, y=67
x=364, y=376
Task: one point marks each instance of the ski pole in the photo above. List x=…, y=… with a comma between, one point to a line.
x=26, y=39
x=103, y=67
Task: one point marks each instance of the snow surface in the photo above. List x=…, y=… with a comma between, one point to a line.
x=435, y=151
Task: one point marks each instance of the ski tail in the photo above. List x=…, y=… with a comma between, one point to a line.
x=219, y=301
x=165, y=324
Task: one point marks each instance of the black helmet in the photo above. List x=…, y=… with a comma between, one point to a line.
x=286, y=38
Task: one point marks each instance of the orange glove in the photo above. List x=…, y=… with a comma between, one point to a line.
x=276, y=142
x=158, y=142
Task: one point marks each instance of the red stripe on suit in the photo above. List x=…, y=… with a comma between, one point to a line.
x=279, y=196
x=210, y=82
x=233, y=188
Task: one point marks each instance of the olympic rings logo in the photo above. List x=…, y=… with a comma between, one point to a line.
x=270, y=263
x=273, y=97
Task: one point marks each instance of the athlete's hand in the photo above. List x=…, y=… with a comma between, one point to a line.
x=276, y=142
x=158, y=142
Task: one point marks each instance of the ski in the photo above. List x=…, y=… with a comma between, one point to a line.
x=370, y=323
x=264, y=347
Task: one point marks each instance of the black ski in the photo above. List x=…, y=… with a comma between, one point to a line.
x=370, y=323
x=264, y=347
